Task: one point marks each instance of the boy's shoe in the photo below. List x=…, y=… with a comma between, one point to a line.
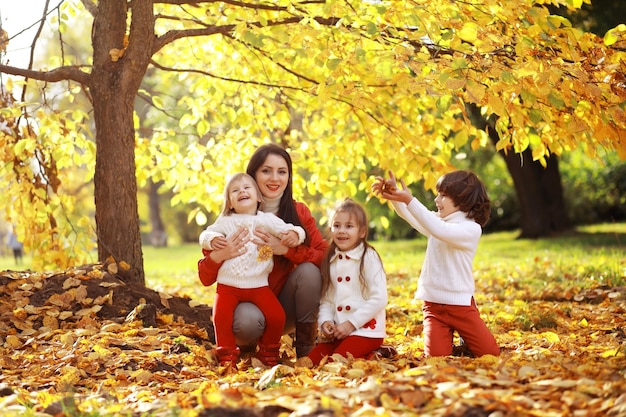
x=462, y=350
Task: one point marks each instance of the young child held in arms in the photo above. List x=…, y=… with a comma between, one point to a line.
x=244, y=278
x=354, y=289
x=446, y=283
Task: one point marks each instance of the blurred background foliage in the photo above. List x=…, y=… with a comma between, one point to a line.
x=595, y=192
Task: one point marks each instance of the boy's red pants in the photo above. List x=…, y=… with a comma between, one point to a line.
x=357, y=346
x=440, y=322
x=226, y=300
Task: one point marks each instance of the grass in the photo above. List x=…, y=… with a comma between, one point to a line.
x=591, y=256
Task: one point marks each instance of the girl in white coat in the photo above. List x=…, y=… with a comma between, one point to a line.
x=354, y=289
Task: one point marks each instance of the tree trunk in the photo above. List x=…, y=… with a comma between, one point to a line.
x=540, y=194
x=114, y=86
x=115, y=184
x=158, y=235
x=539, y=190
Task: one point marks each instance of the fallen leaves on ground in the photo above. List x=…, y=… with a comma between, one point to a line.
x=61, y=356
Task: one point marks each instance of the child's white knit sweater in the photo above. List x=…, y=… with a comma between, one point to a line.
x=250, y=269
x=446, y=276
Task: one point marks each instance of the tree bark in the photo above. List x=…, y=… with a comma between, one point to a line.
x=158, y=235
x=114, y=87
x=540, y=194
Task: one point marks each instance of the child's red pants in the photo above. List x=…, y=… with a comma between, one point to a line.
x=357, y=346
x=440, y=322
x=226, y=300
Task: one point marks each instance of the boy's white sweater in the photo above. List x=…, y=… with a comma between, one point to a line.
x=446, y=276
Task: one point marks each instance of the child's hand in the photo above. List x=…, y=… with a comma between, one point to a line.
x=377, y=186
x=382, y=186
x=235, y=246
x=290, y=238
x=219, y=242
x=344, y=330
x=328, y=330
x=388, y=189
x=264, y=238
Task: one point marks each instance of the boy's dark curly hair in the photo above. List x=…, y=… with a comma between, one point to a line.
x=468, y=193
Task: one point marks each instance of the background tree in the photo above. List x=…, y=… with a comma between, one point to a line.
x=373, y=84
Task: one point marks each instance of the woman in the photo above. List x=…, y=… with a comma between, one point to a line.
x=295, y=278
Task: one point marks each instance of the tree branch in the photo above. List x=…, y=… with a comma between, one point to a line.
x=58, y=74
x=234, y=80
x=238, y=3
x=173, y=35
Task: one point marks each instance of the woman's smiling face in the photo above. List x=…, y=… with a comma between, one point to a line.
x=272, y=176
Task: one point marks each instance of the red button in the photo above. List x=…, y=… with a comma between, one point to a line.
x=347, y=278
x=340, y=256
x=347, y=257
x=339, y=279
x=347, y=308
x=339, y=308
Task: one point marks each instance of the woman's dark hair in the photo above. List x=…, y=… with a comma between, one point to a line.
x=286, y=208
x=468, y=193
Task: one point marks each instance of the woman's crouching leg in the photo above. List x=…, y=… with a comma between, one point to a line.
x=248, y=325
x=300, y=298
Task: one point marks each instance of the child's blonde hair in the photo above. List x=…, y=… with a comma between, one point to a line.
x=227, y=210
x=353, y=209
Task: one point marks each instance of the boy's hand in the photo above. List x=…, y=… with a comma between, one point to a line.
x=388, y=189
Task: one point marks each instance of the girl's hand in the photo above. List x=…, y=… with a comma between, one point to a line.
x=235, y=246
x=290, y=238
x=219, y=242
x=263, y=238
x=344, y=330
x=328, y=330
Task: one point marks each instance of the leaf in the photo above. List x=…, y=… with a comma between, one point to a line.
x=469, y=32
x=551, y=337
x=610, y=353
x=475, y=91
x=613, y=35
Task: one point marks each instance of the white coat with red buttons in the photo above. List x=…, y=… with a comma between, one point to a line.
x=347, y=300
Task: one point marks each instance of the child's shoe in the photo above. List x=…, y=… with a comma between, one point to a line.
x=228, y=356
x=269, y=354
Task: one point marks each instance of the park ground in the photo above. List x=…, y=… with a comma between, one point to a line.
x=556, y=306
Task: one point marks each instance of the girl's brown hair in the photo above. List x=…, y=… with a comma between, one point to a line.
x=468, y=193
x=355, y=210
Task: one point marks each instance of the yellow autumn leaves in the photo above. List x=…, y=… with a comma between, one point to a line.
x=118, y=367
